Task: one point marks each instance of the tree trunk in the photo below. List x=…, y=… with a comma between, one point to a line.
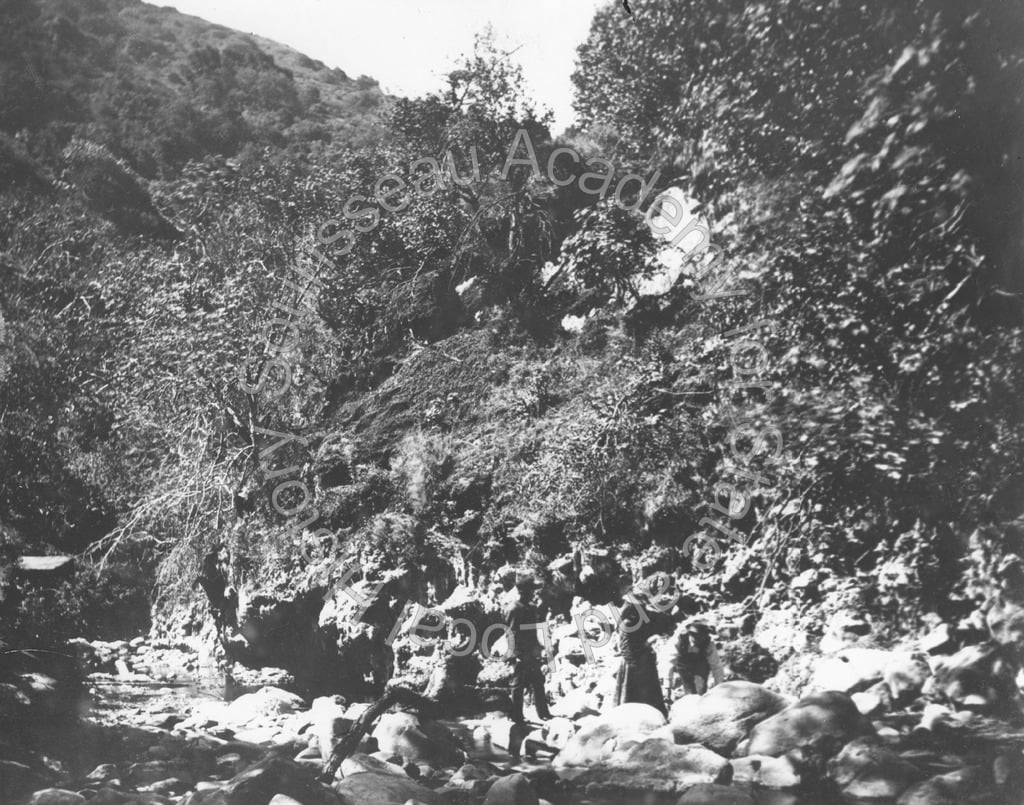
x=348, y=743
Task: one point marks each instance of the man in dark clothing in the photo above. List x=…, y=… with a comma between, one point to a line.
x=523, y=622
x=637, y=679
x=213, y=578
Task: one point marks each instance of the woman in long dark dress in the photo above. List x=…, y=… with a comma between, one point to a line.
x=637, y=679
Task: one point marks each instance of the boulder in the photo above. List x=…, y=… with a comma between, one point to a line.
x=372, y=788
x=980, y=678
x=18, y=780
x=359, y=763
x=152, y=771
x=424, y=742
x=712, y=794
x=267, y=778
x=843, y=629
x=873, y=701
x=56, y=796
x=512, y=790
x=806, y=722
x=905, y=676
x=770, y=772
x=849, y=670
x=600, y=736
x=940, y=640
x=943, y=789
x=267, y=701
x=329, y=723
x=866, y=769
x=655, y=764
x=723, y=716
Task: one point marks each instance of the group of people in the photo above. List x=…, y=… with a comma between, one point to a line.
x=696, y=665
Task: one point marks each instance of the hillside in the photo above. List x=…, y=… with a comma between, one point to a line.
x=264, y=326
x=159, y=87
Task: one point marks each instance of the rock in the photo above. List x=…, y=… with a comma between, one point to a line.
x=471, y=775
x=599, y=736
x=359, y=763
x=104, y=772
x=260, y=783
x=427, y=742
x=820, y=714
x=770, y=772
x=745, y=659
x=866, y=769
x=940, y=640
x=329, y=722
x=655, y=764
x=905, y=676
x=267, y=701
x=18, y=780
x=283, y=799
x=512, y=790
x=724, y=715
x=56, y=796
x=843, y=629
x=558, y=731
x=372, y=788
x=172, y=786
x=873, y=701
x=979, y=678
x=1008, y=768
x=943, y=789
x=779, y=632
x=711, y=794
x=575, y=705
x=849, y=670
x=152, y=771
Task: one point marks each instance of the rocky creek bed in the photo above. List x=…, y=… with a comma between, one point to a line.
x=871, y=725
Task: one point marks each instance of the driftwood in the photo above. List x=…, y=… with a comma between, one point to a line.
x=348, y=743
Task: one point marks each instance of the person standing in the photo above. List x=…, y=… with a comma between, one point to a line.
x=523, y=622
x=637, y=679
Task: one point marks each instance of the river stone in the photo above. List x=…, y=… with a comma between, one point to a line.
x=724, y=715
x=264, y=703
x=712, y=794
x=600, y=736
x=943, y=789
x=422, y=741
x=770, y=772
x=56, y=796
x=873, y=701
x=327, y=715
x=103, y=772
x=18, y=780
x=372, y=788
x=655, y=764
x=820, y=714
x=979, y=678
x=512, y=790
x=850, y=669
x=283, y=799
x=866, y=769
x=258, y=785
x=359, y=763
x=152, y=771
x=905, y=675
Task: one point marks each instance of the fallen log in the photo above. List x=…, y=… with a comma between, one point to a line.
x=347, y=745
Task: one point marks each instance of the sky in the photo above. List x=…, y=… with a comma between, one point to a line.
x=408, y=45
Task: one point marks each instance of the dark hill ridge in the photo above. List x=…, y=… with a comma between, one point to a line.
x=159, y=87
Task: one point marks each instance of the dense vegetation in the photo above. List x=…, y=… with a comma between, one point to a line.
x=860, y=165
